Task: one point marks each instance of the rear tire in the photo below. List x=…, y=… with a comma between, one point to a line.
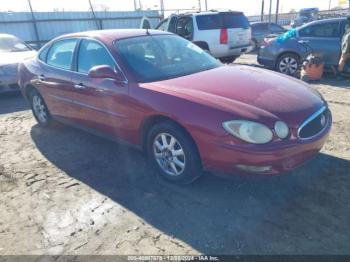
x=228, y=59
x=288, y=64
x=39, y=109
x=172, y=152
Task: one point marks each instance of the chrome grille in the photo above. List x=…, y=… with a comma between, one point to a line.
x=314, y=124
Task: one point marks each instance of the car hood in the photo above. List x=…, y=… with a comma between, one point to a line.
x=15, y=57
x=248, y=92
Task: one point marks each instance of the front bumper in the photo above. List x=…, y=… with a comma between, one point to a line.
x=219, y=51
x=270, y=159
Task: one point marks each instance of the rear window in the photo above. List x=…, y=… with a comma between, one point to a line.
x=222, y=20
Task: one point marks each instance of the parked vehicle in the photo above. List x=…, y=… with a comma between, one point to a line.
x=305, y=15
x=321, y=37
x=260, y=30
x=12, y=52
x=225, y=35
x=167, y=96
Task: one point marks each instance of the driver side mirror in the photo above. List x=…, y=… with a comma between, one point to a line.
x=105, y=71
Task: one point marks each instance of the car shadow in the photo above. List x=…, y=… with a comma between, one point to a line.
x=12, y=102
x=305, y=211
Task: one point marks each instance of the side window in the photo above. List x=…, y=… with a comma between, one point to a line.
x=92, y=53
x=276, y=28
x=43, y=53
x=162, y=25
x=321, y=30
x=261, y=28
x=61, y=54
x=172, y=24
x=185, y=27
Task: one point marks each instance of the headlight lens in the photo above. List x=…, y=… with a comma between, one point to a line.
x=281, y=129
x=249, y=131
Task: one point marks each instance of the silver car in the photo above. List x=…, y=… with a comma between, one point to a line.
x=322, y=37
x=12, y=52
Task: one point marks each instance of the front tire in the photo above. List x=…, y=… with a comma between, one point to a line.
x=288, y=64
x=39, y=109
x=173, y=153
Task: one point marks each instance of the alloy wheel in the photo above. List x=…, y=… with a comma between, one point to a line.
x=39, y=108
x=169, y=154
x=288, y=65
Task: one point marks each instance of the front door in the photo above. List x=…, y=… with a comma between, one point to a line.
x=102, y=101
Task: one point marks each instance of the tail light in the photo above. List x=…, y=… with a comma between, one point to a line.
x=223, y=36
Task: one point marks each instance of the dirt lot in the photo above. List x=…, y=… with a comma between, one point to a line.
x=67, y=192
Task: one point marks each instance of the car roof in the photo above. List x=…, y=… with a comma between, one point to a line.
x=7, y=35
x=323, y=21
x=211, y=12
x=113, y=34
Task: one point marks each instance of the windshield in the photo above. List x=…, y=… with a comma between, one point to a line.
x=160, y=57
x=12, y=44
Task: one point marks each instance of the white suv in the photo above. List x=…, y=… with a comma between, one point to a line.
x=225, y=35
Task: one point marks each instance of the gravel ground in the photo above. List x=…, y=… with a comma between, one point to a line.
x=67, y=192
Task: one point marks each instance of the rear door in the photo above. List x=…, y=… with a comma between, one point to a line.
x=54, y=81
x=323, y=39
x=102, y=102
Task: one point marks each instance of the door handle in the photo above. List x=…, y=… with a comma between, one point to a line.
x=79, y=86
x=41, y=78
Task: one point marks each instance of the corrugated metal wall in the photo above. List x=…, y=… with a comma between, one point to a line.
x=52, y=24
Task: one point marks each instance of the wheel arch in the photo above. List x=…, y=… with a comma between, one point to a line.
x=285, y=53
x=153, y=120
x=202, y=44
x=28, y=89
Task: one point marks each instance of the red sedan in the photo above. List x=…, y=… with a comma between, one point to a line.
x=165, y=95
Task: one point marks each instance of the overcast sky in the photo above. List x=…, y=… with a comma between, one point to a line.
x=250, y=7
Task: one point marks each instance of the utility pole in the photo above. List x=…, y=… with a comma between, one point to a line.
x=206, y=5
x=162, y=8
x=329, y=5
x=270, y=11
x=34, y=23
x=98, y=25
x=135, y=5
x=262, y=10
x=199, y=5
x=277, y=11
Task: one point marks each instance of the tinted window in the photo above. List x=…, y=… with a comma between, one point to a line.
x=276, y=28
x=321, y=30
x=61, y=54
x=162, y=25
x=185, y=27
x=161, y=57
x=259, y=27
x=172, y=25
x=92, y=54
x=222, y=20
x=43, y=53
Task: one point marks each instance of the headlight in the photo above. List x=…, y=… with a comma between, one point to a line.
x=249, y=131
x=281, y=129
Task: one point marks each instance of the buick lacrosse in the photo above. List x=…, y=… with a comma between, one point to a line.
x=186, y=110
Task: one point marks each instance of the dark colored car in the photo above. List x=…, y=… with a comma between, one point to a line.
x=322, y=37
x=170, y=98
x=305, y=15
x=262, y=29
